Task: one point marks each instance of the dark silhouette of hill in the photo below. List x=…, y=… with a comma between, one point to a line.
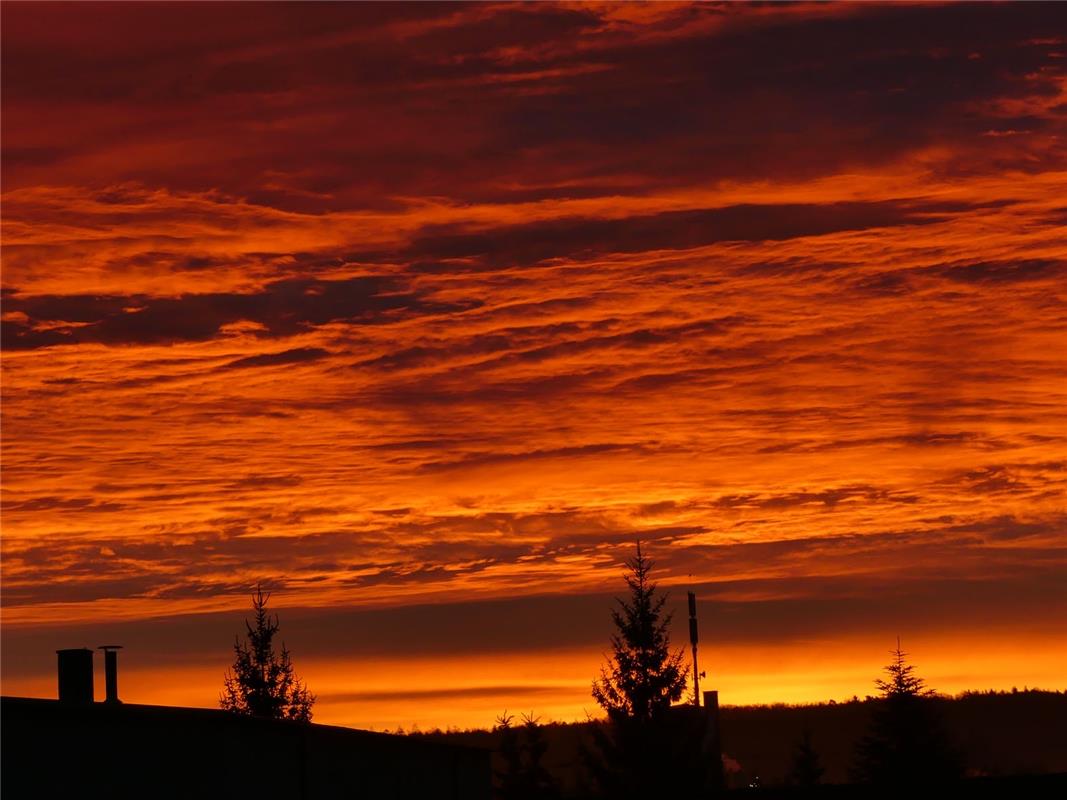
x=998, y=734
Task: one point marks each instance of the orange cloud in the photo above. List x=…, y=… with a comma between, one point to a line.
x=403, y=307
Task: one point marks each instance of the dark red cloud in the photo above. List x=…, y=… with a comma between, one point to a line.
x=413, y=310
x=282, y=308
x=401, y=102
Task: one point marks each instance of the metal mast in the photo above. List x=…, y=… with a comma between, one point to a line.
x=693, y=641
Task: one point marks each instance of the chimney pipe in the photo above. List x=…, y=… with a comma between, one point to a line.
x=75, y=669
x=713, y=741
x=111, y=672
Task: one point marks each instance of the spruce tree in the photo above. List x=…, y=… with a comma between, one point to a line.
x=806, y=769
x=643, y=677
x=906, y=744
x=644, y=751
x=524, y=776
x=262, y=682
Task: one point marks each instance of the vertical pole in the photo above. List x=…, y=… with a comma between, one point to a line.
x=111, y=672
x=693, y=641
x=696, y=679
x=713, y=741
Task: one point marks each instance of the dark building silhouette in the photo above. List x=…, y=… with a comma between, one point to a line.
x=699, y=724
x=78, y=748
x=75, y=675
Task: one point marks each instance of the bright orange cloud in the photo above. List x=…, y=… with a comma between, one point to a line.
x=414, y=307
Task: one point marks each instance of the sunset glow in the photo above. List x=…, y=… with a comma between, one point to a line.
x=422, y=314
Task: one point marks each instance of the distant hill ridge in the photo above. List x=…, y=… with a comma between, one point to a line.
x=1019, y=732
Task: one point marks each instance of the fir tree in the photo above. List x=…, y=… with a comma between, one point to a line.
x=643, y=750
x=262, y=682
x=806, y=769
x=906, y=744
x=509, y=779
x=903, y=682
x=524, y=776
x=643, y=677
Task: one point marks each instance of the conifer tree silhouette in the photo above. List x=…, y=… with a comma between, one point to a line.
x=906, y=744
x=643, y=752
x=644, y=677
x=261, y=682
x=806, y=769
x=524, y=776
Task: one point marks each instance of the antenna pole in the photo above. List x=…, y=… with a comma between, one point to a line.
x=693, y=641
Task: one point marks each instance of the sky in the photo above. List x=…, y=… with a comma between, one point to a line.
x=422, y=315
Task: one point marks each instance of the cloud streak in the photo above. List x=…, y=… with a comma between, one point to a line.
x=406, y=307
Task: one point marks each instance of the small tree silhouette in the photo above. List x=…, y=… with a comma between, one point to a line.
x=906, y=744
x=262, y=683
x=903, y=682
x=806, y=769
x=644, y=751
x=524, y=776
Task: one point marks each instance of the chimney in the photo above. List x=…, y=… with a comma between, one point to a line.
x=713, y=741
x=75, y=675
x=111, y=672
x=711, y=704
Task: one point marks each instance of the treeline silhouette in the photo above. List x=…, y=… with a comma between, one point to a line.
x=649, y=745
x=997, y=734
x=905, y=738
